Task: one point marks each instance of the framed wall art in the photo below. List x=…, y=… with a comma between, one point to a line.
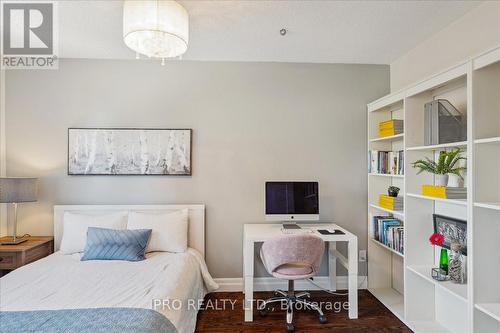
x=129, y=151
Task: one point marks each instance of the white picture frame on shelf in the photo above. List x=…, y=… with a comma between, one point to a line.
x=451, y=229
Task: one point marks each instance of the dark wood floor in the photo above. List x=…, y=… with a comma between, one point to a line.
x=373, y=316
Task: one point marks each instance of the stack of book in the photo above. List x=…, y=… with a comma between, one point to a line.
x=444, y=192
x=392, y=203
x=388, y=231
x=390, y=127
x=386, y=162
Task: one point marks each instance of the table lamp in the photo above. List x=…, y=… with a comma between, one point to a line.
x=14, y=191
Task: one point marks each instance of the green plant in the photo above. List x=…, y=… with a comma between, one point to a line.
x=446, y=163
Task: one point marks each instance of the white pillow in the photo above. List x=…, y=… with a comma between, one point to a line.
x=169, y=229
x=75, y=227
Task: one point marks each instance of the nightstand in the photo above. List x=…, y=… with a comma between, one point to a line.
x=15, y=256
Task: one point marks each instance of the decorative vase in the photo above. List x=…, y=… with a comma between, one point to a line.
x=441, y=180
x=454, y=181
x=443, y=260
x=457, y=264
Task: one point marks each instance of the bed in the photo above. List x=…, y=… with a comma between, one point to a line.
x=62, y=293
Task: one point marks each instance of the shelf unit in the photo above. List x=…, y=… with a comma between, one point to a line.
x=386, y=264
x=387, y=248
x=385, y=175
x=486, y=208
x=443, y=146
x=458, y=290
x=462, y=202
x=403, y=283
x=488, y=205
x=396, y=213
x=391, y=299
x=396, y=137
x=487, y=140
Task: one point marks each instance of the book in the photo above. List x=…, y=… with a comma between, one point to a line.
x=386, y=162
x=390, y=127
x=444, y=192
x=390, y=124
x=388, y=231
x=392, y=203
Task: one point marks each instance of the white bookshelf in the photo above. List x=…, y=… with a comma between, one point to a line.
x=461, y=202
x=424, y=271
x=387, y=248
x=385, y=175
x=487, y=140
x=485, y=307
x=396, y=137
x=385, y=264
x=396, y=213
x=403, y=283
x=391, y=299
x=443, y=146
x=488, y=205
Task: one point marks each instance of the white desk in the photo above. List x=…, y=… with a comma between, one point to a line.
x=255, y=233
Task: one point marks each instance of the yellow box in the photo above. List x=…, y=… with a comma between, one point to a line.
x=384, y=133
x=387, y=128
x=386, y=201
x=434, y=191
x=386, y=124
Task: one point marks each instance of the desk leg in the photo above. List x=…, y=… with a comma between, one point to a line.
x=248, y=261
x=353, y=278
x=248, y=298
x=332, y=265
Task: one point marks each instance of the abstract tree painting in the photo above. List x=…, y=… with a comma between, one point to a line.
x=126, y=151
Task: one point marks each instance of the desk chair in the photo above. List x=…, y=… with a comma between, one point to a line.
x=292, y=257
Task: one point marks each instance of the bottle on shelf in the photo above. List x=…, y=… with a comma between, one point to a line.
x=443, y=260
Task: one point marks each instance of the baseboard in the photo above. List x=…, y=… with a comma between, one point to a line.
x=270, y=284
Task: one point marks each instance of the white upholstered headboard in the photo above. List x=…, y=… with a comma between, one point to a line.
x=196, y=231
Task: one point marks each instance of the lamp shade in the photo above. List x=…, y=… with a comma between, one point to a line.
x=155, y=28
x=14, y=190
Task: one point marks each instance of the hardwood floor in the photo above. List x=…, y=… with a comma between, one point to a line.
x=373, y=316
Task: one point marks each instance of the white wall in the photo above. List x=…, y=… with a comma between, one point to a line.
x=474, y=33
x=251, y=122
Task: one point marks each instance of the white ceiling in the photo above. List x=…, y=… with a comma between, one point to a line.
x=369, y=32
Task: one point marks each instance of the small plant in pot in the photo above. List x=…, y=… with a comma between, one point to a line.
x=393, y=191
x=446, y=164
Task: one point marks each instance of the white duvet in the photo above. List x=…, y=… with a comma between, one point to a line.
x=64, y=282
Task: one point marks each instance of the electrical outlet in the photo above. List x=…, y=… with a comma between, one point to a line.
x=362, y=255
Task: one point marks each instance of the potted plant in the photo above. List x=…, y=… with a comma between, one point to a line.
x=393, y=191
x=447, y=163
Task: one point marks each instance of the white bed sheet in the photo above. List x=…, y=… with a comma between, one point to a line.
x=64, y=282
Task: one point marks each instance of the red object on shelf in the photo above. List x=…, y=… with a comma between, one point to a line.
x=436, y=239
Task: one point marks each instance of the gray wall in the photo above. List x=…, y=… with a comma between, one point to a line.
x=251, y=122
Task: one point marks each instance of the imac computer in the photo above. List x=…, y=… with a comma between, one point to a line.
x=292, y=202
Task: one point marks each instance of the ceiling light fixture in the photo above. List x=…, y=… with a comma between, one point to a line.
x=156, y=28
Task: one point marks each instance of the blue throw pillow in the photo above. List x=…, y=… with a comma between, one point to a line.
x=112, y=244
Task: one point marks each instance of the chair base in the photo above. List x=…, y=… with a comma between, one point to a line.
x=291, y=299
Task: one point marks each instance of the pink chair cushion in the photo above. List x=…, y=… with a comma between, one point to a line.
x=294, y=269
x=293, y=257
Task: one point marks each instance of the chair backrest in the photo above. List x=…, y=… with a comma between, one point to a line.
x=305, y=249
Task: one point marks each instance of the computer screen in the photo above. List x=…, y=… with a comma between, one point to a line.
x=292, y=200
